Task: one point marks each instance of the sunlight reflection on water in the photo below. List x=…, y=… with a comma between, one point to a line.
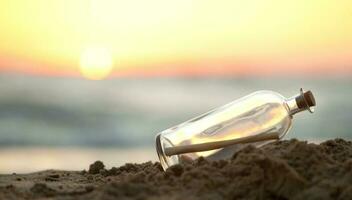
x=24, y=160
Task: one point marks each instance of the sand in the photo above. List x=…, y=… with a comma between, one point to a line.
x=282, y=170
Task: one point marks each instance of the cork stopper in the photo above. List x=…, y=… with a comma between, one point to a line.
x=306, y=100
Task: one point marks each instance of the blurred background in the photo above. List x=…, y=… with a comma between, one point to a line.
x=86, y=80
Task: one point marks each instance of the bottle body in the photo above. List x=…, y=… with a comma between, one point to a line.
x=257, y=113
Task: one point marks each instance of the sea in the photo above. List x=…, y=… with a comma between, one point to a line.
x=69, y=122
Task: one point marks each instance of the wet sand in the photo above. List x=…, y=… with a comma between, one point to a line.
x=282, y=170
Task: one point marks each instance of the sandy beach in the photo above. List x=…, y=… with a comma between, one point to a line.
x=288, y=169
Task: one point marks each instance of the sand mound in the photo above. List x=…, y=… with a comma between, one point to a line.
x=281, y=170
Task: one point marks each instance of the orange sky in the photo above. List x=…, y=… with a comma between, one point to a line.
x=184, y=37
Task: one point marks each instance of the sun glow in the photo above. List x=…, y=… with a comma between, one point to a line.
x=193, y=37
x=96, y=63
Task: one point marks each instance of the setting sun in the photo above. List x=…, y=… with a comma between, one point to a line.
x=157, y=37
x=96, y=63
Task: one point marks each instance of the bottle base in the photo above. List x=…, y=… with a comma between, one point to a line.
x=165, y=161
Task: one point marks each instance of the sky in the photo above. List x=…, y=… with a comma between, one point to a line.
x=97, y=39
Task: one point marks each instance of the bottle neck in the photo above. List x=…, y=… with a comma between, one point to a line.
x=301, y=102
x=293, y=107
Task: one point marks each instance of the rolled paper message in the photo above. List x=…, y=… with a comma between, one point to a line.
x=220, y=144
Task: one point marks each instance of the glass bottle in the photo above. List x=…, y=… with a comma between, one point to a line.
x=257, y=118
